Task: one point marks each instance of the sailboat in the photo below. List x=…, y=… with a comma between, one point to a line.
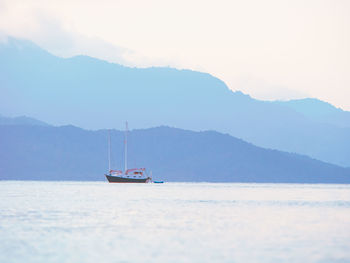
x=134, y=175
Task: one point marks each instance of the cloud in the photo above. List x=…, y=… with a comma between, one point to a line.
x=3, y=37
x=49, y=33
x=47, y=30
x=66, y=43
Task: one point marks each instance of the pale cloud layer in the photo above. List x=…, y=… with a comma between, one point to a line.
x=272, y=49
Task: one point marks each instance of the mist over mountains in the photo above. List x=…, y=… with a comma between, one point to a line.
x=95, y=94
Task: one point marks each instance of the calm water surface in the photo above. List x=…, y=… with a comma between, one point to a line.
x=173, y=222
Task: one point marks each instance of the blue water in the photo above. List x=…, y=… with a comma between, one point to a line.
x=173, y=222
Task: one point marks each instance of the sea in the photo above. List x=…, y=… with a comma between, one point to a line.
x=173, y=222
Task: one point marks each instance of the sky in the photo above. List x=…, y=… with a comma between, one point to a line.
x=271, y=49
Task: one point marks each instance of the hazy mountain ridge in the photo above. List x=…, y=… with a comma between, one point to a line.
x=21, y=120
x=320, y=111
x=95, y=94
x=70, y=153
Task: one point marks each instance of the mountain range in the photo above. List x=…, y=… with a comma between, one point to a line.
x=44, y=152
x=95, y=94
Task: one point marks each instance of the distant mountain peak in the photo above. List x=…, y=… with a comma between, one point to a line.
x=311, y=107
x=21, y=120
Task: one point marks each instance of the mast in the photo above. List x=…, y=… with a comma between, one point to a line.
x=126, y=148
x=109, y=151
